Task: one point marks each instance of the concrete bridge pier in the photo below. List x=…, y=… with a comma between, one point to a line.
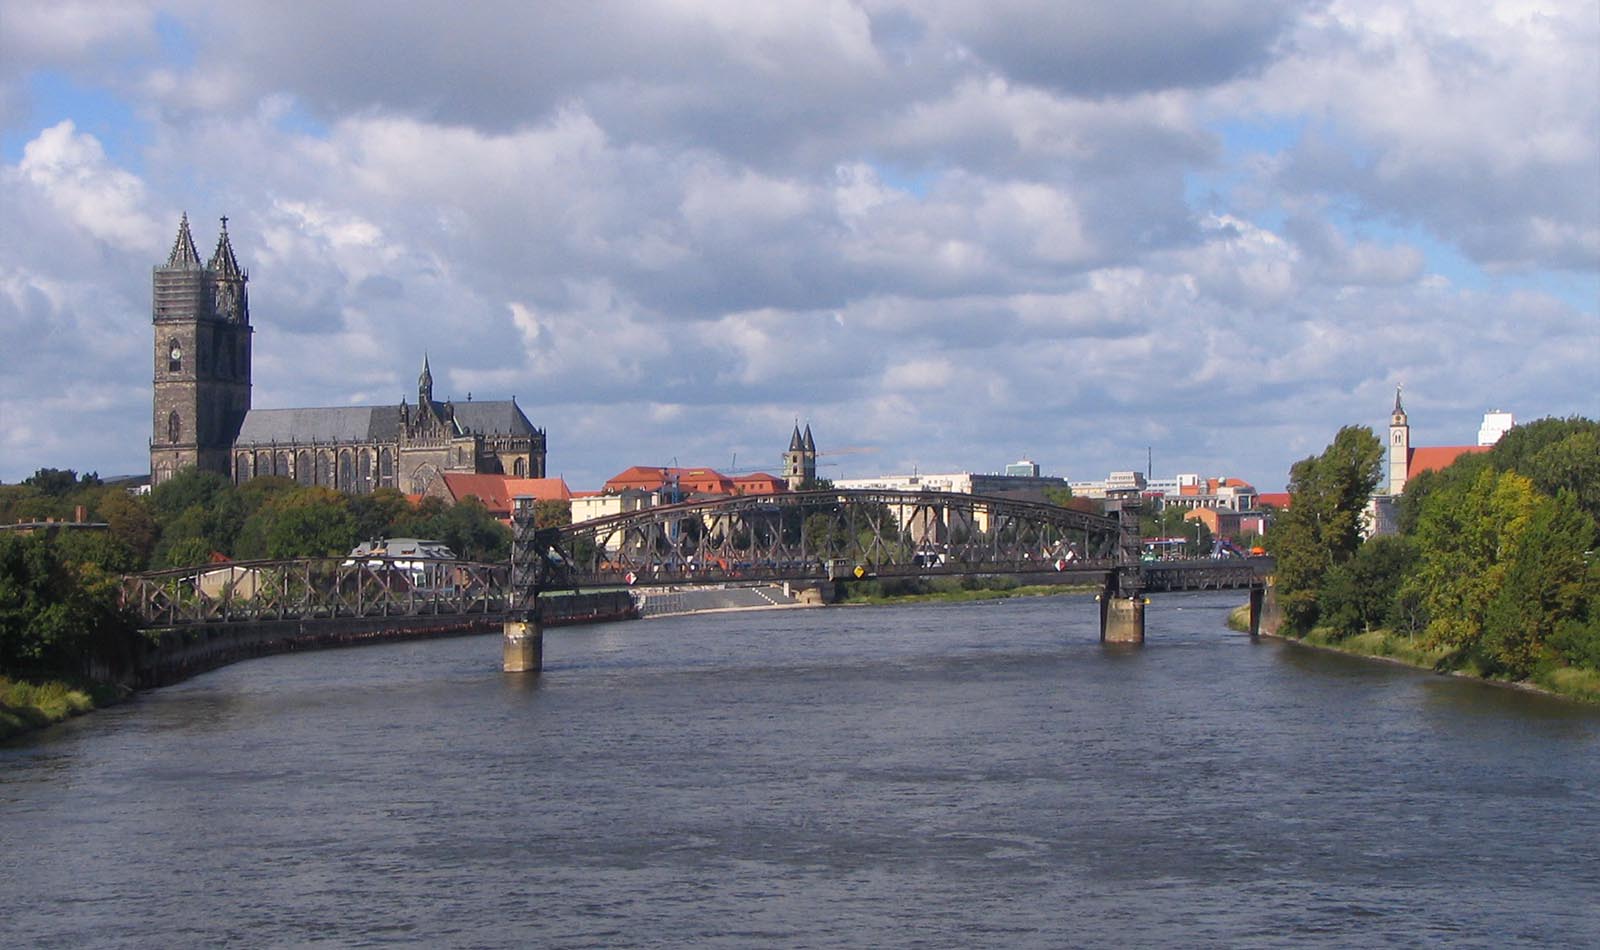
x=524, y=645
x=1121, y=618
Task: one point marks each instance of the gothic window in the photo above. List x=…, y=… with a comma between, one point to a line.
x=241, y=468
x=386, y=467
x=519, y=468
x=174, y=426
x=325, y=468
x=282, y=467
x=347, y=475
x=363, y=472
x=302, y=468
x=174, y=356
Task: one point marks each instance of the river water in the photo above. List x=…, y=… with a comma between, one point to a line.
x=929, y=775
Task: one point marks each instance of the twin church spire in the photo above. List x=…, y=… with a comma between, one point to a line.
x=223, y=263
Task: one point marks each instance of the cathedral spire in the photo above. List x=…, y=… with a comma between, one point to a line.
x=223, y=263
x=795, y=445
x=807, y=443
x=183, y=252
x=425, y=384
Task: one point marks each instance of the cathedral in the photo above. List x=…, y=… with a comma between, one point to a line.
x=202, y=415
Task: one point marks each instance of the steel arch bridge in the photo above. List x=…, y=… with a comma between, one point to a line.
x=826, y=534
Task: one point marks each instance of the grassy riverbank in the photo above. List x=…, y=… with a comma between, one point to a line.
x=27, y=706
x=1565, y=681
x=948, y=590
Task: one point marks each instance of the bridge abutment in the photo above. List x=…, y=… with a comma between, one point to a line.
x=524, y=646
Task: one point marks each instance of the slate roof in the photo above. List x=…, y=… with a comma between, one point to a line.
x=493, y=417
x=371, y=423
x=335, y=424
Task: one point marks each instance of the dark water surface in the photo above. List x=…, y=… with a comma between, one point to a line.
x=935, y=775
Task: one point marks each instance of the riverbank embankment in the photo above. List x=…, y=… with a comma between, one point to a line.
x=1388, y=647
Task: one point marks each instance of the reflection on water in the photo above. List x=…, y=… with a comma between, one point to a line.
x=941, y=775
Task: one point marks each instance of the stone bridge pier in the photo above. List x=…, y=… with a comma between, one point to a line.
x=524, y=644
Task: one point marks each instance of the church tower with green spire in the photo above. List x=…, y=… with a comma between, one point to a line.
x=201, y=318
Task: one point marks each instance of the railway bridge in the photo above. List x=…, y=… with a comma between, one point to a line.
x=810, y=539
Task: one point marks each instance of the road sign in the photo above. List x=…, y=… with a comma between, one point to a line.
x=630, y=577
x=860, y=571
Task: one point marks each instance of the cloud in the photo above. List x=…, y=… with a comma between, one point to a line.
x=958, y=233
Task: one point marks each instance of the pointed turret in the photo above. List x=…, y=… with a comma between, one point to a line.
x=795, y=443
x=425, y=384
x=808, y=444
x=1398, y=417
x=223, y=263
x=183, y=253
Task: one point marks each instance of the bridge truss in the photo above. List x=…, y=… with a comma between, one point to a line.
x=832, y=533
x=315, y=588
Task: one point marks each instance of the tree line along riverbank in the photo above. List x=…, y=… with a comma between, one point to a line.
x=1493, y=572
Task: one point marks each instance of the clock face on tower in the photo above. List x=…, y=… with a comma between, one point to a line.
x=177, y=352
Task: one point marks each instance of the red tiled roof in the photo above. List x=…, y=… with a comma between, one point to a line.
x=542, y=489
x=703, y=481
x=1436, y=457
x=498, y=492
x=489, y=489
x=759, y=483
x=1277, y=499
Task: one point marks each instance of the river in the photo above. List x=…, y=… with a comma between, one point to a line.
x=934, y=775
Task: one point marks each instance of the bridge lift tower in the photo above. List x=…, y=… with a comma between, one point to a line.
x=1122, y=602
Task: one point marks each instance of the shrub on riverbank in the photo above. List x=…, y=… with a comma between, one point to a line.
x=26, y=706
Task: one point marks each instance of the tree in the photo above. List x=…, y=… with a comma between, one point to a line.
x=552, y=513
x=58, y=482
x=472, y=533
x=56, y=617
x=379, y=513
x=130, y=522
x=1361, y=594
x=311, y=521
x=1322, y=528
x=1466, y=538
x=1058, y=495
x=1546, y=584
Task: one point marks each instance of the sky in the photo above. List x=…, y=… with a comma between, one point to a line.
x=947, y=235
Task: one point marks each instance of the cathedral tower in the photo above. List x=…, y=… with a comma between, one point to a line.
x=1399, y=446
x=201, y=316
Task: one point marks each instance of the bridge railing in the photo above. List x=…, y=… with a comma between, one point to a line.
x=315, y=588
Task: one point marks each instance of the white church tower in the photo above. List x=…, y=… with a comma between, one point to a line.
x=1399, y=446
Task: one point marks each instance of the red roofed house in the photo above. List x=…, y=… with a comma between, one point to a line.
x=759, y=483
x=500, y=493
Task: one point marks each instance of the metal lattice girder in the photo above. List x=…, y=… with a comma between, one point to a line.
x=807, y=534
x=311, y=588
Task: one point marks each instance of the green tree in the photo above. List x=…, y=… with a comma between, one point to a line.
x=552, y=513
x=130, y=522
x=1546, y=584
x=311, y=521
x=472, y=533
x=195, y=506
x=56, y=617
x=1466, y=538
x=380, y=513
x=1322, y=528
x=1362, y=594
